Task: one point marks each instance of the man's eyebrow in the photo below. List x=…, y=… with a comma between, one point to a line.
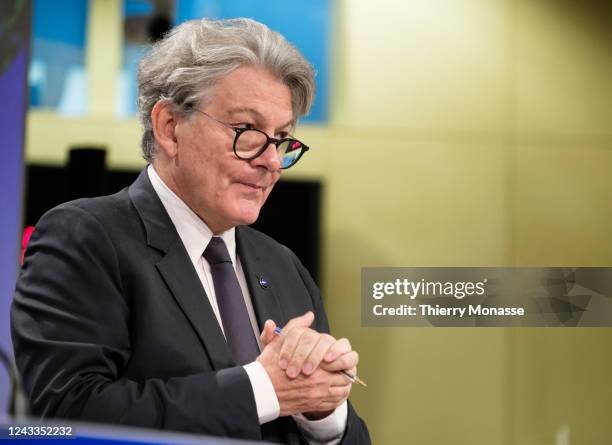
x=290, y=124
x=248, y=110
x=257, y=115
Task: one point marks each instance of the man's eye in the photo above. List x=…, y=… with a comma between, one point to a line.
x=244, y=125
x=282, y=135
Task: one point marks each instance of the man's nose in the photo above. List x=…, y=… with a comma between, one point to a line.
x=269, y=158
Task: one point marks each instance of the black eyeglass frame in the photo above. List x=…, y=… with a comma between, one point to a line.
x=269, y=141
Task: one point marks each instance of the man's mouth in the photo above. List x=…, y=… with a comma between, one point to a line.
x=252, y=185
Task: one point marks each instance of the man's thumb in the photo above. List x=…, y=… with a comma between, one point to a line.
x=267, y=335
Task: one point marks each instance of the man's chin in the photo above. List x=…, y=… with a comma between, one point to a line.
x=247, y=214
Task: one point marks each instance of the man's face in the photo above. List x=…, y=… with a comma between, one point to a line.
x=223, y=190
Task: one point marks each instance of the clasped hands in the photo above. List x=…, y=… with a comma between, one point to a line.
x=303, y=366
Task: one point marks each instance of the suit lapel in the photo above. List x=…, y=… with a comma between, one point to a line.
x=177, y=271
x=180, y=276
x=257, y=270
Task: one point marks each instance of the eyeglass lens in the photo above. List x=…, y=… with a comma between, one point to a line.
x=250, y=142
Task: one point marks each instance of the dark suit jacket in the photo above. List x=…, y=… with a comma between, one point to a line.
x=110, y=322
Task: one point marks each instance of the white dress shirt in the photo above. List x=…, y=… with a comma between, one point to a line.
x=196, y=235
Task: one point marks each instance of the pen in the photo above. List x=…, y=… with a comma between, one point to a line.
x=351, y=377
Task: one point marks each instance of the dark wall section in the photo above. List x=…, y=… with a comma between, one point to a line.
x=291, y=215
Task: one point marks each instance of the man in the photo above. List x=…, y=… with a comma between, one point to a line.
x=144, y=308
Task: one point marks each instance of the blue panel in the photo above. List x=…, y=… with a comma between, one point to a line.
x=57, y=77
x=305, y=23
x=137, y=7
x=61, y=21
x=191, y=9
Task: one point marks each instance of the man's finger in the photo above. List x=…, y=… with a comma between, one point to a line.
x=339, y=348
x=339, y=393
x=316, y=356
x=303, y=321
x=267, y=335
x=290, y=342
x=343, y=363
x=291, y=333
x=306, y=344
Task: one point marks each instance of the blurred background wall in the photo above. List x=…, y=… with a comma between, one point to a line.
x=457, y=133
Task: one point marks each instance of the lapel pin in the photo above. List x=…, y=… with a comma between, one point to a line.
x=263, y=282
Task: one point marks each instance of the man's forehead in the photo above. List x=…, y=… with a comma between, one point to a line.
x=253, y=91
x=256, y=114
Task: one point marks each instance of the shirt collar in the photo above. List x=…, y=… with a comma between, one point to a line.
x=194, y=232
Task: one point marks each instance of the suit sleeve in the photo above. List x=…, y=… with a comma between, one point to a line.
x=71, y=333
x=356, y=429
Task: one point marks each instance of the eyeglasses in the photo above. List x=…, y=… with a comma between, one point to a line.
x=251, y=142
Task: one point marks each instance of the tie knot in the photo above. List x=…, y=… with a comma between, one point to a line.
x=216, y=252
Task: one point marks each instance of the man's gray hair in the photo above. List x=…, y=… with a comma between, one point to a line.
x=183, y=66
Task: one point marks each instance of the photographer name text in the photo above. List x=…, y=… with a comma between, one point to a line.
x=422, y=288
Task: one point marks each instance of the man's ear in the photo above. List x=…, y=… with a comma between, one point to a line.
x=164, y=122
